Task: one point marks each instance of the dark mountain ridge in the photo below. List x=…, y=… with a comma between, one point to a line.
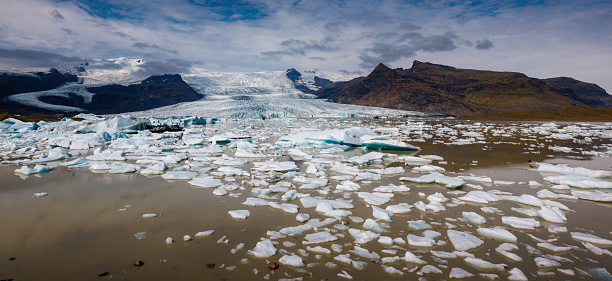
x=448, y=90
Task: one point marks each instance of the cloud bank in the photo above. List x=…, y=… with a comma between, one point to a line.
x=540, y=38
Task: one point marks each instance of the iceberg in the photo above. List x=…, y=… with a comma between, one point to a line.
x=579, y=181
x=497, y=233
x=319, y=237
x=263, y=249
x=463, y=241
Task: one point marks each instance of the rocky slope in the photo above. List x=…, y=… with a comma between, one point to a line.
x=153, y=92
x=443, y=89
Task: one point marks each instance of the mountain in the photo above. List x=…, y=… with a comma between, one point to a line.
x=15, y=83
x=448, y=90
x=155, y=91
x=587, y=93
x=72, y=98
x=307, y=85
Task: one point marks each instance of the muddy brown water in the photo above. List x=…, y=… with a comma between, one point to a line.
x=78, y=231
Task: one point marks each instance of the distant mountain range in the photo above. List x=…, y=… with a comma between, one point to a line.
x=48, y=94
x=425, y=87
x=434, y=88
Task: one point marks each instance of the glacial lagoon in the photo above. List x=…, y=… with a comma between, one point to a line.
x=505, y=200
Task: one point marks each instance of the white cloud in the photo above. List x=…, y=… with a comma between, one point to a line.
x=541, y=40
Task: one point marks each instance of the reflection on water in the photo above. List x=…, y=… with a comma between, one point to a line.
x=87, y=224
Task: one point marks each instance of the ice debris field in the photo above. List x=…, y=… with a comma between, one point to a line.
x=363, y=196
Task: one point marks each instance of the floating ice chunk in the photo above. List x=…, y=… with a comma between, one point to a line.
x=433, y=206
x=345, y=274
x=392, y=270
x=292, y=260
x=179, y=175
x=402, y=208
x=428, y=169
x=443, y=255
x=418, y=225
x=517, y=275
x=220, y=191
x=40, y=194
x=149, y=216
x=123, y=169
x=204, y=181
x=382, y=143
x=204, y=233
x=585, y=237
x=463, y=241
x=382, y=214
x=362, y=236
x=319, y=223
x=484, y=179
x=459, y=273
x=503, y=182
x=38, y=169
x=530, y=200
x=560, y=187
x=230, y=172
x=420, y=241
x=482, y=264
x=302, y=217
x=79, y=162
x=411, y=258
x=449, y=182
x=252, y=201
x=478, y=196
x=106, y=155
x=564, y=169
x=263, y=249
x=556, y=229
x=318, y=249
x=412, y=160
x=348, y=186
x=552, y=214
x=547, y=194
x=367, y=176
x=240, y=214
x=392, y=188
x=579, y=181
x=593, y=195
x=275, y=166
x=389, y=171
x=567, y=272
x=505, y=249
x=497, y=233
x=385, y=240
x=187, y=238
x=375, y=198
x=365, y=253
x=427, y=269
x=472, y=217
x=596, y=250
x=521, y=223
x=551, y=247
x=295, y=230
x=432, y=157
x=372, y=225
x=319, y=237
x=154, y=169
x=544, y=262
x=287, y=208
x=366, y=159
x=55, y=154
x=169, y=240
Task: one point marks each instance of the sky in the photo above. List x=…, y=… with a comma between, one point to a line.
x=540, y=38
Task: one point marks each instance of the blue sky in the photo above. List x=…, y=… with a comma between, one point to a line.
x=539, y=38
